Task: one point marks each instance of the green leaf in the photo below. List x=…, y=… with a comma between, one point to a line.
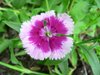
x=55, y=62
x=17, y=43
x=37, y=10
x=59, y=8
x=2, y=29
x=12, y=55
x=20, y=53
x=56, y=70
x=79, y=10
x=93, y=39
x=98, y=3
x=21, y=69
x=1, y=15
x=74, y=58
x=63, y=66
x=62, y=7
x=98, y=21
x=3, y=45
x=23, y=15
x=98, y=49
x=92, y=30
x=65, y=4
x=50, y=62
x=8, y=2
x=54, y=3
x=91, y=58
x=18, y=3
x=80, y=27
x=10, y=15
x=13, y=25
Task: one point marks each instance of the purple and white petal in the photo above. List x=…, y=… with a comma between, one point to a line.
x=65, y=49
x=42, y=41
x=48, y=14
x=38, y=54
x=25, y=29
x=67, y=21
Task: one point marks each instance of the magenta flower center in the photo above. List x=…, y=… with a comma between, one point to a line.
x=44, y=34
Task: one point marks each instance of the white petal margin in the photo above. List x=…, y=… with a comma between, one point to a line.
x=42, y=16
x=48, y=14
x=38, y=54
x=61, y=53
x=34, y=51
x=25, y=29
x=67, y=21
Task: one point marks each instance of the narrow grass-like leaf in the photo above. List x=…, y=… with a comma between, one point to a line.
x=94, y=39
x=74, y=58
x=92, y=58
x=21, y=69
x=12, y=55
x=20, y=53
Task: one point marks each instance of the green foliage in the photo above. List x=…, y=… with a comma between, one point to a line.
x=18, y=3
x=86, y=16
x=74, y=58
x=92, y=58
x=21, y=69
x=63, y=66
x=12, y=55
x=3, y=45
x=98, y=3
x=13, y=25
x=80, y=10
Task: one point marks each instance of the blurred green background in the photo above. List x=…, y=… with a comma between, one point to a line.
x=84, y=59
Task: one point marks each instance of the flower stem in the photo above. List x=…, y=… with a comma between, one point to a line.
x=21, y=69
x=47, y=5
x=49, y=70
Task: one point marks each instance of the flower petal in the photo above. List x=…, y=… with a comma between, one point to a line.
x=65, y=49
x=57, y=54
x=25, y=29
x=48, y=14
x=38, y=54
x=34, y=51
x=67, y=21
x=67, y=45
x=42, y=16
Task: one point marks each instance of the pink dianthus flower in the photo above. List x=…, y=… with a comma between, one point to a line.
x=44, y=36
